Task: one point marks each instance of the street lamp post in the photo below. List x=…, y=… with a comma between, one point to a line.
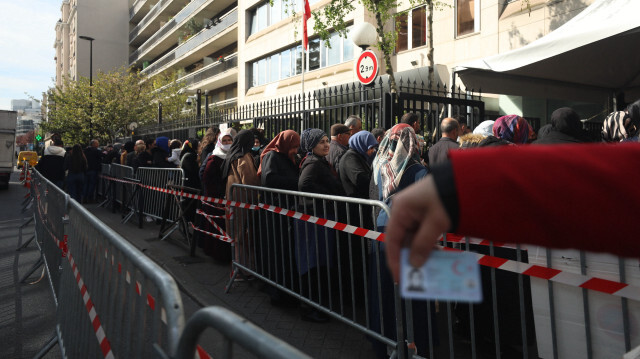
x=90, y=39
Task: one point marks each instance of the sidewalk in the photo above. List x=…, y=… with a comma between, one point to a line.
x=202, y=280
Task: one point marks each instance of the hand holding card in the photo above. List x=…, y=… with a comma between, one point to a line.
x=449, y=276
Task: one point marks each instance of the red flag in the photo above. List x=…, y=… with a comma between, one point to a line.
x=306, y=16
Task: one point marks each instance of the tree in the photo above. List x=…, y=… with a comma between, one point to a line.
x=119, y=98
x=167, y=89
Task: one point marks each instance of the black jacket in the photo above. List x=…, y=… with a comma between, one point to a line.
x=439, y=152
x=189, y=165
x=355, y=174
x=159, y=158
x=144, y=159
x=51, y=167
x=278, y=171
x=316, y=177
x=336, y=151
x=94, y=158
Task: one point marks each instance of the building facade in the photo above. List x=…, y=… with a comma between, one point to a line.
x=104, y=21
x=29, y=115
x=248, y=51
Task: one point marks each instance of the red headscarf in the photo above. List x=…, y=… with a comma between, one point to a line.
x=282, y=143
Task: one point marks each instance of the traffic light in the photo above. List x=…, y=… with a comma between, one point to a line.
x=38, y=138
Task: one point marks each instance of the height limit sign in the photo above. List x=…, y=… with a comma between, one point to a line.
x=367, y=67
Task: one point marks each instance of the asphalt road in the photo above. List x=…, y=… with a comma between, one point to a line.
x=27, y=310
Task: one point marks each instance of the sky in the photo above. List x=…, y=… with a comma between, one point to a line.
x=27, y=35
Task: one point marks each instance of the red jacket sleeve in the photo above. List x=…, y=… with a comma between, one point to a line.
x=563, y=196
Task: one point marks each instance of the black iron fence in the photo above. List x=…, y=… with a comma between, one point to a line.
x=375, y=104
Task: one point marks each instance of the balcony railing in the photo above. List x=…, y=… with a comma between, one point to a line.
x=226, y=21
x=148, y=18
x=210, y=71
x=133, y=10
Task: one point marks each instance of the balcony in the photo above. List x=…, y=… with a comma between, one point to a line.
x=222, y=34
x=151, y=22
x=216, y=75
x=140, y=9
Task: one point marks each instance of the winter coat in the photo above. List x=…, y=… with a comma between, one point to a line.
x=316, y=177
x=355, y=174
x=159, y=158
x=94, y=158
x=144, y=159
x=189, y=164
x=278, y=171
x=439, y=152
x=336, y=151
x=213, y=184
x=51, y=165
x=242, y=171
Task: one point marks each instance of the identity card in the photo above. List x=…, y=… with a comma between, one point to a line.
x=447, y=276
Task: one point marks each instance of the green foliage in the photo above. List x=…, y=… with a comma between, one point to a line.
x=119, y=98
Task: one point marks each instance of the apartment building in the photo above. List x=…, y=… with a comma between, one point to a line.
x=247, y=51
x=106, y=22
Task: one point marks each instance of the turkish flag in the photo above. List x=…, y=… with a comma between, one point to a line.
x=306, y=16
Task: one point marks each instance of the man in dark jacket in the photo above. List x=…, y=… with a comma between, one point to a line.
x=144, y=158
x=94, y=163
x=340, y=135
x=438, y=153
x=51, y=165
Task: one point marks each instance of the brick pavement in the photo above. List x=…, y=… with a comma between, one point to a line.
x=203, y=280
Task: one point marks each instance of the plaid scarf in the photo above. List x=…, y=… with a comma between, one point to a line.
x=398, y=151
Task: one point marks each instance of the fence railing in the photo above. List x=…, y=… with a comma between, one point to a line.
x=112, y=301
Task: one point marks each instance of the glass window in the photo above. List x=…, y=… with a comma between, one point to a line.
x=261, y=14
x=314, y=54
x=254, y=74
x=403, y=35
x=324, y=48
x=285, y=64
x=274, y=71
x=465, y=17
x=276, y=12
x=333, y=53
x=262, y=72
x=347, y=49
x=298, y=60
x=419, y=27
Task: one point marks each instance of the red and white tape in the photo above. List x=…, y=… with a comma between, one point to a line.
x=222, y=238
x=210, y=219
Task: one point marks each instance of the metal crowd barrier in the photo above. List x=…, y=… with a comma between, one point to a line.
x=246, y=334
x=155, y=201
x=341, y=274
x=122, y=190
x=538, y=302
x=103, y=183
x=114, y=302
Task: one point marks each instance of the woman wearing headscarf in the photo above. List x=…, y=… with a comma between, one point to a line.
x=355, y=165
x=315, y=247
x=396, y=166
x=622, y=126
x=239, y=167
x=512, y=128
x=214, y=185
x=566, y=128
x=278, y=170
x=160, y=153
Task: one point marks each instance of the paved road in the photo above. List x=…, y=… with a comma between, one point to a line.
x=27, y=311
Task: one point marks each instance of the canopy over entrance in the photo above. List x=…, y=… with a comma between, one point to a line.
x=591, y=57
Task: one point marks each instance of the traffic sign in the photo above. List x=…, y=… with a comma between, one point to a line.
x=366, y=67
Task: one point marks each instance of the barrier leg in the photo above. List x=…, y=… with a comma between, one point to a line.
x=23, y=246
x=53, y=341
x=32, y=270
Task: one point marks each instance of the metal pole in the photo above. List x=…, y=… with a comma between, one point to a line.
x=90, y=39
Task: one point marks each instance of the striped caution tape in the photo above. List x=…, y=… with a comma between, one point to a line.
x=456, y=238
x=555, y=275
x=210, y=219
x=222, y=238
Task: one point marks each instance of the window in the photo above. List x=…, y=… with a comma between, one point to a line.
x=467, y=14
x=265, y=15
x=417, y=35
x=287, y=63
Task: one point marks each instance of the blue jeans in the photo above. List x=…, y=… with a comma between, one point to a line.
x=90, y=180
x=74, y=185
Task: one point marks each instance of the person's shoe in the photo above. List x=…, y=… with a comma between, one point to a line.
x=314, y=315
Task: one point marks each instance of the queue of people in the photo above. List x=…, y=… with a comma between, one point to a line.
x=349, y=162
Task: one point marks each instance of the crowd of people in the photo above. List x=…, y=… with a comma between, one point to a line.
x=348, y=161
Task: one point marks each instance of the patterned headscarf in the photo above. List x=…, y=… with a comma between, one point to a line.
x=310, y=138
x=398, y=151
x=613, y=129
x=512, y=128
x=282, y=143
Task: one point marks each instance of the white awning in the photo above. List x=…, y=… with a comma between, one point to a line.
x=589, y=58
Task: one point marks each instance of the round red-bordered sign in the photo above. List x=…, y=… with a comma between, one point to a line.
x=366, y=67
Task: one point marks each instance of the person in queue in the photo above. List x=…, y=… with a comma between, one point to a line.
x=94, y=162
x=208, y=144
x=354, y=123
x=145, y=158
x=127, y=149
x=160, y=153
x=175, y=148
x=439, y=152
x=189, y=163
x=339, y=144
x=378, y=133
x=512, y=128
x=214, y=185
x=140, y=148
x=239, y=167
x=454, y=198
x=355, y=166
x=51, y=165
x=396, y=166
x=278, y=170
x=75, y=163
x=315, y=247
x=565, y=127
x=622, y=126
